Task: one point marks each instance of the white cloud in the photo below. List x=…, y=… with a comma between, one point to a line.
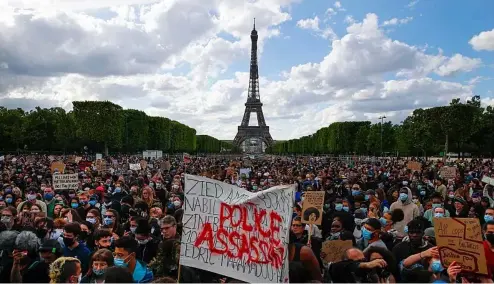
x=313, y=25
x=396, y=21
x=166, y=58
x=338, y=6
x=483, y=41
x=413, y=3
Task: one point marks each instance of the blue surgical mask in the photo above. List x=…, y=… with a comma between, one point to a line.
x=338, y=207
x=355, y=192
x=405, y=229
x=422, y=192
x=366, y=234
x=403, y=196
x=107, y=221
x=385, y=210
x=48, y=196
x=133, y=229
x=383, y=221
x=92, y=202
x=346, y=208
x=120, y=262
x=91, y=220
x=74, y=205
x=439, y=215
x=367, y=197
x=488, y=218
x=98, y=272
x=436, y=266
x=118, y=189
x=8, y=200
x=83, y=202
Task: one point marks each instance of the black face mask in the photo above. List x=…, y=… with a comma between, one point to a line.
x=83, y=235
x=490, y=238
x=68, y=241
x=41, y=232
x=416, y=241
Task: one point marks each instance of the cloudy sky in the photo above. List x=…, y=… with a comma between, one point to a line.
x=321, y=61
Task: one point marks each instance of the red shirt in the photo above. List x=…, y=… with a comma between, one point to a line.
x=489, y=258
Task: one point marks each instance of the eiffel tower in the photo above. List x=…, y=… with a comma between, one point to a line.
x=253, y=136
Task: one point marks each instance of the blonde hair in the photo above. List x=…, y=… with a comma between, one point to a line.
x=57, y=267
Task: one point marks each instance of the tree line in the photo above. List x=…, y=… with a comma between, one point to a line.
x=101, y=126
x=459, y=127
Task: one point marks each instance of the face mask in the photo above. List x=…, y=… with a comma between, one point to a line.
x=120, y=262
x=403, y=197
x=133, y=229
x=383, y=221
x=490, y=238
x=476, y=200
x=405, y=229
x=338, y=207
x=488, y=218
x=177, y=203
x=31, y=197
x=41, y=233
x=68, y=241
x=48, y=196
x=92, y=202
x=118, y=189
x=336, y=235
x=83, y=202
x=346, y=208
x=415, y=200
x=142, y=242
x=385, y=210
x=439, y=215
x=98, y=272
x=6, y=220
x=71, y=195
x=435, y=205
x=364, y=210
x=436, y=266
x=74, y=205
x=107, y=221
x=451, y=196
x=8, y=200
x=366, y=234
x=91, y=220
x=355, y=192
x=422, y=192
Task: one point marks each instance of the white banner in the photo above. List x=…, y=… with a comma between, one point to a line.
x=135, y=167
x=237, y=233
x=67, y=181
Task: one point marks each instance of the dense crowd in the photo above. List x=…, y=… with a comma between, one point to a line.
x=123, y=225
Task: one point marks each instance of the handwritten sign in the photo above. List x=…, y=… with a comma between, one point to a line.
x=460, y=240
x=312, y=207
x=414, y=166
x=144, y=164
x=65, y=182
x=135, y=167
x=334, y=249
x=236, y=233
x=58, y=166
x=448, y=172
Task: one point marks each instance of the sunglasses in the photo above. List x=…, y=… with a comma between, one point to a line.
x=297, y=225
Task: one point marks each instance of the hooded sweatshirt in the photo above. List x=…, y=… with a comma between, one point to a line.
x=410, y=210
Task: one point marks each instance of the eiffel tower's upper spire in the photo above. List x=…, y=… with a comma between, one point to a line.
x=253, y=93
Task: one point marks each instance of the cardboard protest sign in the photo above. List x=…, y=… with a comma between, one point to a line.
x=65, y=182
x=99, y=156
x=100, y=165
x=414, y=166
x=236, y=233
x=77, y=159
x=60, y=166
x=334, y=249
x=312, y=207
x=448, y=172
x=460, y=240
x=245, y=171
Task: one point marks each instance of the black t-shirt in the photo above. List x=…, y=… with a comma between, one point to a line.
x=38, y=272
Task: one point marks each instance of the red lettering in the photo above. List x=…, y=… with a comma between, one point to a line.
x=262, y=247
x=274, y=225
x=223, y=217
x=245, y=224
x=236, y=208
x=258, y=215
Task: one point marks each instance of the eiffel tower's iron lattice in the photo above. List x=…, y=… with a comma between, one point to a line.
x=253, y=105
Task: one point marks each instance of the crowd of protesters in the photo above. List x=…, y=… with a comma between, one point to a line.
x=123, y=225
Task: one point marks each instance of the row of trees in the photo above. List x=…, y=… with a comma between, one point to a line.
x=99, y=125
x=208, y=144
x=458, y=127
